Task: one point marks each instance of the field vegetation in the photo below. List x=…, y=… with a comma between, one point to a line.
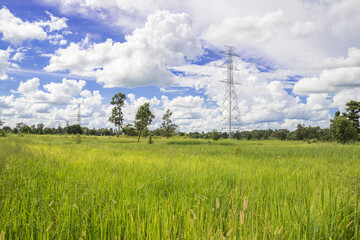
x=57, y=187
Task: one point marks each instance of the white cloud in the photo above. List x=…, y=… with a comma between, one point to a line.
x=57, y=39
x=186, y=102
x=302, y=30
x=338, y=74
x=245, y=30
x=329, y=81
x=4, y=64
x=129, y=14
x=6, y=101
x=263, y=103
x=346, y=17
x=318, y=102
x=16, y=31
x=56, y=93
x=54, y=106
x=19, y=56
x=55, y=23
x=352, y=60
x=344, y=96
x=130, y=6
x=167, y=39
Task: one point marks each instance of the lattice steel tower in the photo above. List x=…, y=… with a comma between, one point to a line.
x=79, y=115
x=231, y=118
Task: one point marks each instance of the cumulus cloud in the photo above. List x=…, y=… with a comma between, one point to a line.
x=6, y=101
x=165, y=40
x=128, y=14
x=16, y=31
x=346, y=16
x=263, y=102
x=4, y=64
x=57, y=39
x=338, y=74
x=344, y=96
x=56, y=93
x=329, y=81
x=352, y=60
x=245, y=29
x=302, y=30
x=55, y=23
x=54, y=105
x=131, y=6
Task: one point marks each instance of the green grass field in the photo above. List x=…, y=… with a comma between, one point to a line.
x=109, y=188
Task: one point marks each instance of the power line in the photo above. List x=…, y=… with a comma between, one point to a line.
x=231, y=117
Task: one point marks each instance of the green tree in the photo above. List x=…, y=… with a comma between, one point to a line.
x=2, y=131
x=117, y=117
x=143, y=118
x=353, y=109
x=129, y=130
x=215, y=135
x=169, y=128
x=342, y=129
x=40, y=128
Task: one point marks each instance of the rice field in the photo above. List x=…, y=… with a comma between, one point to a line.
x=177, y=188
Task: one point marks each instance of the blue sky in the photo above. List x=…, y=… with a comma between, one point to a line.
x=298, y=62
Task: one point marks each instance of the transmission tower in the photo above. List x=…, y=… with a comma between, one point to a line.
x=79, y=115
x=231, y=117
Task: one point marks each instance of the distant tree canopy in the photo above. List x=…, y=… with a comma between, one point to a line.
x=344, y=127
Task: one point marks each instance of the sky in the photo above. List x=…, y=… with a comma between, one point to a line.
x=299, y=60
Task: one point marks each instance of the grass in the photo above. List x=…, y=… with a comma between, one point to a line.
x=107, y=188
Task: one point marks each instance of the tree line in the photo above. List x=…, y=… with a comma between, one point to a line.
x=344, y=127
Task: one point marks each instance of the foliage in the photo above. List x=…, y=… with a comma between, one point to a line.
x=342, y=129
x=353, y=110
x=169, y=128
x=215, y=135
x=117, y=117
x=129, y=130
x=78, y=138
x=74, y=129
x=143, y=118
x=150, y=139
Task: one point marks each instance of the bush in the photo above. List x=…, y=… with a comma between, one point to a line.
x=78, y=139
x=2, y=133
x=150, y=139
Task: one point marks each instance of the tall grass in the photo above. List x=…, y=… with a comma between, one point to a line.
x=108, y=188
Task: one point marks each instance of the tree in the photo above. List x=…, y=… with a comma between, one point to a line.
x=40, y=128
x=2, y=131
x=342, y=129
x=167, y=126
x=74, y=129
x=117, y=117
x=129, y=130
x=215, y=135
x=353, y=109
x=143, y=118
